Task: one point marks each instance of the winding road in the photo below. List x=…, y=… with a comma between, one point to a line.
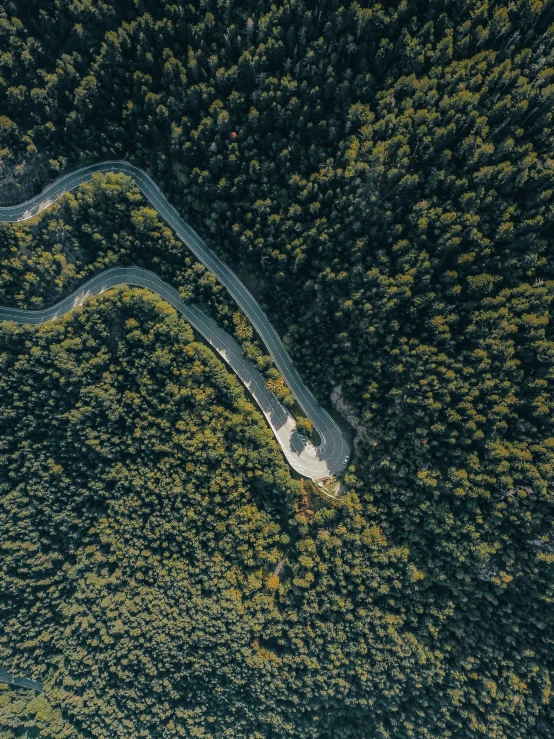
x=331, y=456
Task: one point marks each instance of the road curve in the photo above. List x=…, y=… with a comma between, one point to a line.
x=330, y=457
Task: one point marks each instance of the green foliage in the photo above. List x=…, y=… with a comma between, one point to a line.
x=136, y=479
x=26, y=715
x=382, y=176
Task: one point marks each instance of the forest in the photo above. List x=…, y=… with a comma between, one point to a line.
x=382, y=177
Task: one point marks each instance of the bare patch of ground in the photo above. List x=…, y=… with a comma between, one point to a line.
x=340, y=405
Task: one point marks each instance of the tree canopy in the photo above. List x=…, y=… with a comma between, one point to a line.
x=381, y=175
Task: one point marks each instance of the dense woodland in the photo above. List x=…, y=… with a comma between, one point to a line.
x=26, y=715
x=106, y=223
x=383, y=175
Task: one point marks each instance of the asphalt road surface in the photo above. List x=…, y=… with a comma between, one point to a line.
x=21, y=682
x=331, y=456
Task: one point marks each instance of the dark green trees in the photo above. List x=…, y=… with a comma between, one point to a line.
x=381, y=175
